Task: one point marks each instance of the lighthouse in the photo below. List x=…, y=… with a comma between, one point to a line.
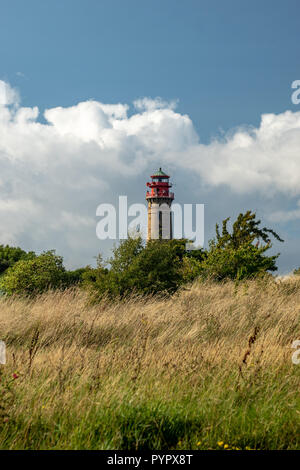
x=159, y=200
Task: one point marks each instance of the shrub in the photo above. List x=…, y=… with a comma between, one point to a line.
x=76, y=276
x=160, y=266
x=243, y=262
x=235, y=255
x=10, y=255
x=157, y=268
x=36, y=275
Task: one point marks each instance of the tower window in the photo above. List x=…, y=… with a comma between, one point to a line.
x=160, y=224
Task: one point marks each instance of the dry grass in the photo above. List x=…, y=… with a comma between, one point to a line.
x=212, y=363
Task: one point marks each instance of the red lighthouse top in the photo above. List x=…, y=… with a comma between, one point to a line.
x=159, y=186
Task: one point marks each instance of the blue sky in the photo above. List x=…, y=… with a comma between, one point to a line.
x=226, y=63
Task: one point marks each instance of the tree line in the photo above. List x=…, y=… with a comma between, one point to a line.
x=159, y=266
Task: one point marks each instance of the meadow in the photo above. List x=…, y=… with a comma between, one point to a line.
x=207, y=368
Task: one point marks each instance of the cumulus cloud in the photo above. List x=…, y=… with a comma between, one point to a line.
x=149, y=104
x=264, y=159
x=8, y=95
x=285, y=216
x=54, y=174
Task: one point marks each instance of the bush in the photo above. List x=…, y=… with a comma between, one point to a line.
x=157, y=268
x=76, y=276
x=10, y=255
x=235, y=255
x=244, y=262
x=36, y=275
x=160, y=266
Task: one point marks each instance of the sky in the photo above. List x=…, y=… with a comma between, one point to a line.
x=95, y=95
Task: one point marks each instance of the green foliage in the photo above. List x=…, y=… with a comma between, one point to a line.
x=191, y=268
x=35, y=275
x=116, y=281
x=102, y=282
x=76, y=276
x=245, y=230
x=9, y=255
x=244, y=262
x=159, y=267
x=297, y=272
x=234, y=255
x=125, y=254
x=162, y=266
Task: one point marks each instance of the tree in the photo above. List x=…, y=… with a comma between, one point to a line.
x=125, y=253
x=32, y=276
x=245, y=230
x=241, y=253
x=157, y=268
x=165, y=265
x=160, y=266
x=76, y=277
x=9, y=255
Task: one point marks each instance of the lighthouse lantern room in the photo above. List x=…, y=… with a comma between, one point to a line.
x=159, y=200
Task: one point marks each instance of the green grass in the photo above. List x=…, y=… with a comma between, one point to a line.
x=158, y=374
x=175, y=416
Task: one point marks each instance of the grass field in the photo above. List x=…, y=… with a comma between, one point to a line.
x=209, y=368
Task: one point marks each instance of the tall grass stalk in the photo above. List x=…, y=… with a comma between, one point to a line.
x=207, y=368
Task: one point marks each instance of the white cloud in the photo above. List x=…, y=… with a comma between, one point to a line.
x=17, y=215
x=21, y=74
x=285, y=216
x=8, y=95
x=53, y=175
x=149, y=104
x=264, y=159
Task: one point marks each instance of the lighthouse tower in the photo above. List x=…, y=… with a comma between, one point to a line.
x=159, y=207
